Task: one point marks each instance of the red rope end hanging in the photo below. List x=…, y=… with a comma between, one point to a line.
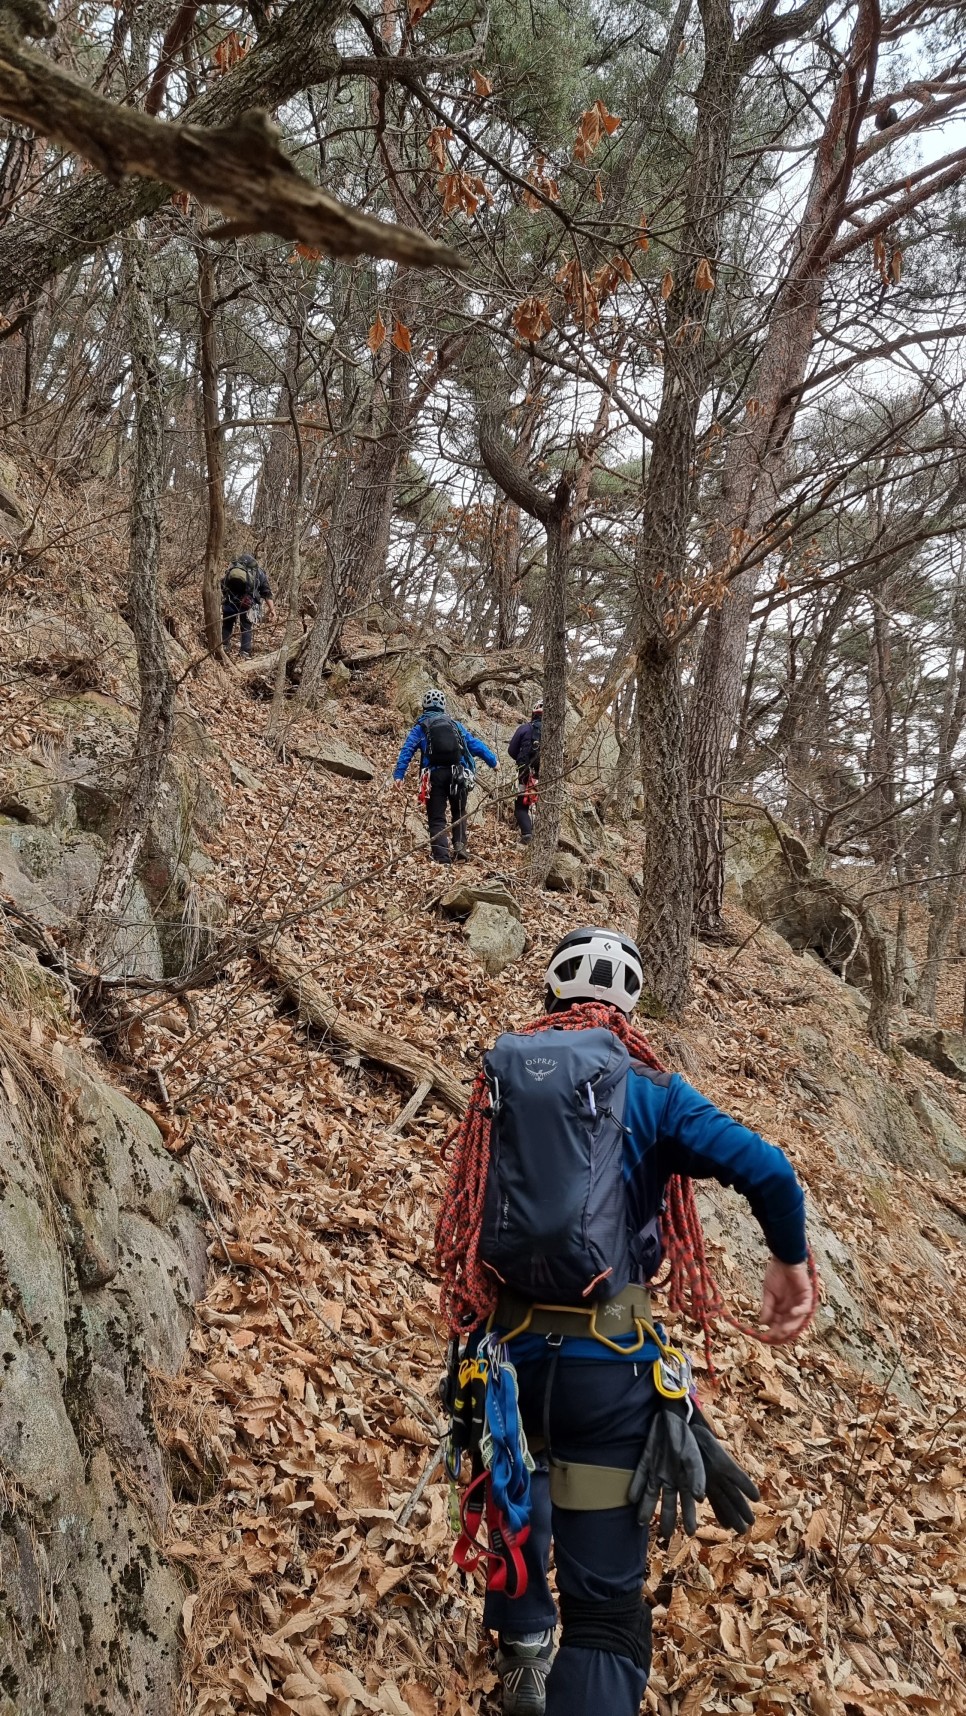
x=468, y=1291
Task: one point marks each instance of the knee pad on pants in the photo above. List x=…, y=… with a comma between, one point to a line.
x=621, y=1625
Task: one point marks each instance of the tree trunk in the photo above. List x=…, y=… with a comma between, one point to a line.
x=666, y=905
x=112, y=890
x=552, y=753
x=664, y=917
x=754, y=464
x=214, y=452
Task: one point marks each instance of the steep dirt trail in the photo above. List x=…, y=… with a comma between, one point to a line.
x=308, y=1413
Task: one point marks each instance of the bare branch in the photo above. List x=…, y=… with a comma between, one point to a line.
x=239, y=168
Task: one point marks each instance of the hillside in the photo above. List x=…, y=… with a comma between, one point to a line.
x=309, y=1525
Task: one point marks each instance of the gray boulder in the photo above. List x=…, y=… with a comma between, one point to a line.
x=332, y=755
x=566, y=873
x=461, y=900
x=496, y=936
x=945, y=1050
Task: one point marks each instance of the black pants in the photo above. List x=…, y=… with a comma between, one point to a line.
x=443, y=791
x=601, y=1414
x=521, y=810
x=228, y=617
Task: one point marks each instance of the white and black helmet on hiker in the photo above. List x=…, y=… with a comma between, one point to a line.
x=595, y=965
x=434, y=700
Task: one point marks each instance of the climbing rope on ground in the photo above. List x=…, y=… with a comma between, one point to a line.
x=469, y=1289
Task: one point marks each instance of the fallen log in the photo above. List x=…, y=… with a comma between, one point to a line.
x=315, y=1008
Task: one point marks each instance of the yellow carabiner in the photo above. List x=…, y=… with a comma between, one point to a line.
x=672, y=1360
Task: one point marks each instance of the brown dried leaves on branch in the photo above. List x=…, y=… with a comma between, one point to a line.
x=239, y=169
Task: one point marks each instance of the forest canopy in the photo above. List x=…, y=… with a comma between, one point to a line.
x=629, y=338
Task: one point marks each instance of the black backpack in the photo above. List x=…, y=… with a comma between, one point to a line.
x=533, y=759
x=240, y=583
x=445, y=745
x=556, y=1221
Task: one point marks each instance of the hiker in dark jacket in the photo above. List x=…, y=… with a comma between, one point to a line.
x=609, y=1442
x=524, y=748
x=447, y=751
x=244, y=589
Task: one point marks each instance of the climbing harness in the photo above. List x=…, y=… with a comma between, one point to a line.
x=423, y=786
x=469, y=1290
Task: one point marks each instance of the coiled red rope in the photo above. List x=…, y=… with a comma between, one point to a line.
x=468, y=1291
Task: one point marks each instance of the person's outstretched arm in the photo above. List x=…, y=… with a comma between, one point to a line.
x=410, y=746
x=478, y=747
x=675, y=1130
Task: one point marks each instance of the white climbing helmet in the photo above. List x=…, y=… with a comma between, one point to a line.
x=595, y=965
x=434, y=700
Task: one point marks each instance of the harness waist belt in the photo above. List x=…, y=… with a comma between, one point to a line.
x=609, y=1319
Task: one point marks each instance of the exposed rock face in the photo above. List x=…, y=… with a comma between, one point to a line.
x=101, y=1260
x=945, y=1050
x=496, y=936
x=58, y=812
x=331, y=754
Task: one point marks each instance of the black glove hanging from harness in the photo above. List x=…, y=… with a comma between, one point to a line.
x=727, y=1484
x=671, y=1468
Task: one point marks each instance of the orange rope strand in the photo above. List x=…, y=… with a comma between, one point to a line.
x=468, y=1292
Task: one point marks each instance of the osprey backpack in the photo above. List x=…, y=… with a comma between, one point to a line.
x=556, y=1223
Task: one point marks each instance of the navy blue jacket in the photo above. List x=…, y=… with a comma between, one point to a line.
x=416, y=740
x=521, y=744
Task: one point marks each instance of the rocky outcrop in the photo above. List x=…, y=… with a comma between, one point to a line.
x=58, y=810
x=566, y=873
x=945, y=1050
x=332, y=755
x=459, y=901
x=496, y=936
x=101, y=1260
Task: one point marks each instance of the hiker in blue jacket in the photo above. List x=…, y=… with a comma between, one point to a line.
x=447, y=751
x=609, y=1439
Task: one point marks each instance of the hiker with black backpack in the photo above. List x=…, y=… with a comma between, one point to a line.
x=570, y=1184
x=244, y=589
x=447, y=751
x=524, y=748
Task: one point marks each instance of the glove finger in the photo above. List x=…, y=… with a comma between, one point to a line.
x=638, y=1482
x=732, y=1473
x=669, y=1514
x=689, y=1516
x=730, y=1508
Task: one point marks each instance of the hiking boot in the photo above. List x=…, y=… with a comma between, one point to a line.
x=460, y=853
x=442, y=858
x=523, y=1665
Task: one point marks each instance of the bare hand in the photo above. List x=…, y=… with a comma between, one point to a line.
x=397, y=784
x=786, y=1299
x=270, y=610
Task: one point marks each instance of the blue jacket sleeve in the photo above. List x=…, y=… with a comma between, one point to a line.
x=263, y=592
x=673, y=1129
x=413, y=742
x=516, y=743
x=476, y=747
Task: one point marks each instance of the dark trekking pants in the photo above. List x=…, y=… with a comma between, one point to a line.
x=443, y=791
x=521, y=810
x=600, y=1413
x=229, y=615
